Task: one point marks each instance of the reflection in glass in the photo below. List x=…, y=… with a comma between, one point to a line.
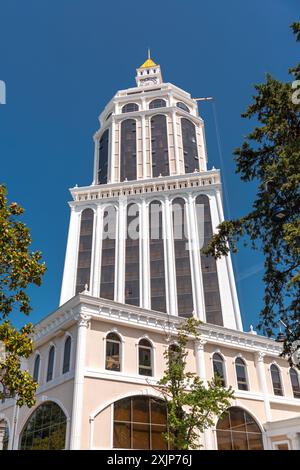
x=237, y=430
x=113, y=349
x=276, y=380
x=85, y=250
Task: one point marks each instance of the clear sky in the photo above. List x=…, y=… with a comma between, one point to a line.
x=63, y=60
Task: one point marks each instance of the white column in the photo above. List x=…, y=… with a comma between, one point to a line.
x=199, y=306
x=144, y=257
x=76, y=423
x=259, y=363
x=234, y=297
x=294, y=439
x=69, y=276
x=170, y=258
x=120, y=251
x=175, y=140
x=111, y=153
x=95, y=287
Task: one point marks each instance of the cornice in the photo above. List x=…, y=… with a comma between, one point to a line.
x=198, y=180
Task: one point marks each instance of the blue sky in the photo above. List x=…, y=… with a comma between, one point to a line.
x=63, y=60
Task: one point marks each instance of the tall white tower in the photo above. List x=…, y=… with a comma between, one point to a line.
x=150, y=165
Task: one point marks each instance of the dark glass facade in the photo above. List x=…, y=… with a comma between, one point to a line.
x=45, y=429
x=159, y=146
x=36, y=368
x=182, y=259
x=189, y=143
x=139, y=423
x=85, y=250
x=209, y=266
x=294, y=376
x=132, y=257
x=50, y=363
x=103, y=158
x=107, y=283
x=237, y=430
x=67, y=355
x=128, y=150
x=157, y=266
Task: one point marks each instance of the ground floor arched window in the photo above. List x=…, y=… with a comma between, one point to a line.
x=45, y=429
x=139, y=423
x=238, y=430
x=4, y=435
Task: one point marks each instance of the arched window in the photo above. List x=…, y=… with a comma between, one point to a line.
x=211, y=288
x=276, y=380
x=128, y=150
x=182, y=259
x=139, y=423
x=145, y=357
x=107, y=283
x=132, y=257
x=130, y=107
x=241, y=374
x=157, y=265
x=45, y=429
x=159, y=146
x=189, y=143
x=50, y=363
x=183, y=106
x=238, y=430
x=85, y=250
x=294, y=376
x=36, y=368
x=218, y=366
x=113, y=352
x=5, y=438
x=103, y=158
x=67, y=355
x=157, y=104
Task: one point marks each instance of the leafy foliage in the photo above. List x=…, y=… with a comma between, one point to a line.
x=18, y=268
x=270, y=155
x=192, y=406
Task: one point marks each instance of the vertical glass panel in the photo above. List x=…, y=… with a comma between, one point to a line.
x=103, y=158
x=36, y=368
x=5, y=438
x=209, y=266
x=128, y=150
x=157, y=265
x=140, y=408
x=50, y=364
x=218, y=366
x=276, y=380
x=85, y=250
x=224, y=440
x=241, y=376
x=67, y=355
x=182, y=259
x=239, y=441
x=141, y=436
x=159, y=146
x=158, y=411
x=122, y=436
x=122, y=410
x=189, y=143
x=132, y=257
x=158, y=442
x=45, y=429
x=113, y=349
x=108, y=253
x=295, y=383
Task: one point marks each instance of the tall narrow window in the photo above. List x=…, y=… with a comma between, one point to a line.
x=145, y=357
x=103, y=158
x=276, y=380
x=67, y=355
x=241, y=374
x=108, y=253
x=132, y=260
x=189, y=143
x=128, y=150
x=294, y=376
x=157, y=266
x=113, y=352
x=85, y=250
x=182, y=259
x=208, y=264
x=50, y=364
x=36, y=368
x=159, y=146
x=218, y=365
x=157, y=104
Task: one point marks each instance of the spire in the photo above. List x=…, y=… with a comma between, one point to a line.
x=149, y=62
